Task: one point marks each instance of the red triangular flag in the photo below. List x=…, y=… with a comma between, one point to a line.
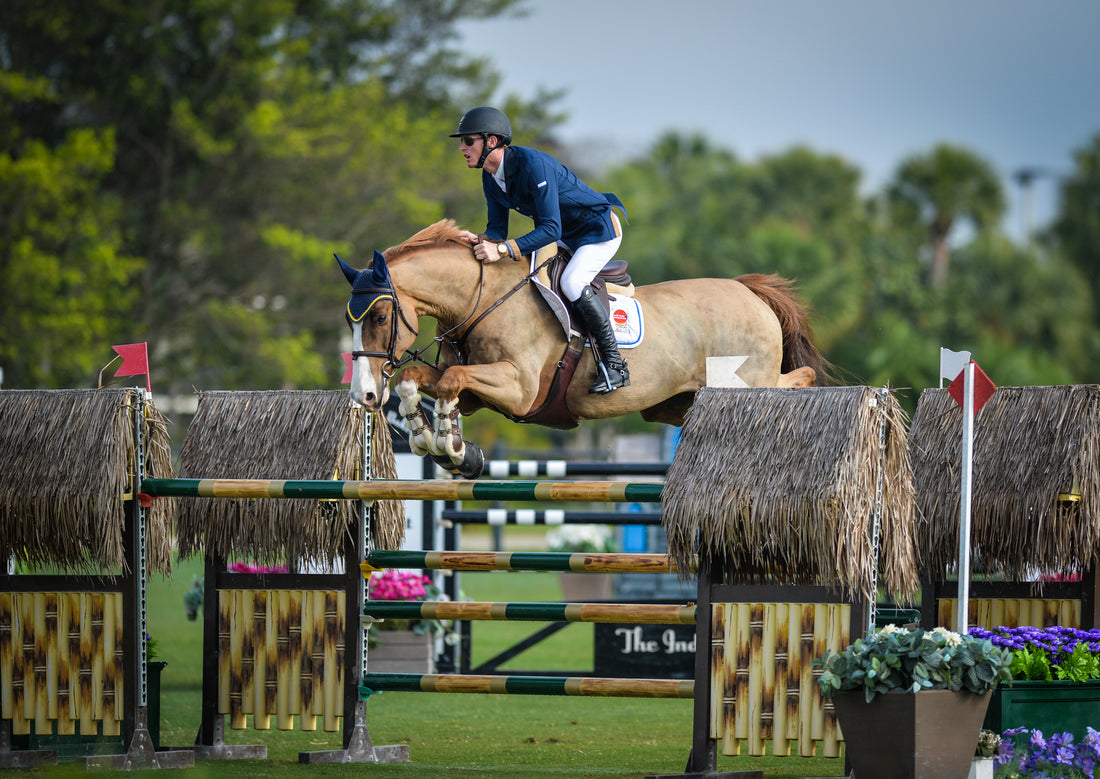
x=983, y=387
x=135, y=361
x=347, y=365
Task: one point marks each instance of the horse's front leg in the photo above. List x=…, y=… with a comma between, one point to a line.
x=421, y=432
x=497, y=384
x=443, y=441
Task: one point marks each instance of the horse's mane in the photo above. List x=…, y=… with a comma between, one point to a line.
x=443, y=232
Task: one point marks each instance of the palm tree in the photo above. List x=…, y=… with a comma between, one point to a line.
x=942, y=187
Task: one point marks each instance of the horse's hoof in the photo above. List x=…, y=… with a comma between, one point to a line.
x=472, y=466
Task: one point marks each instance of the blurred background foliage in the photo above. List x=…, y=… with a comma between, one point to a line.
x=181, y=172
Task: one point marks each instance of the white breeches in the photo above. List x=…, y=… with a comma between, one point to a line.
x=587, y=262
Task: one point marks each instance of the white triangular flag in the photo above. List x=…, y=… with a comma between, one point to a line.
x=722, y=371
x=951, y=364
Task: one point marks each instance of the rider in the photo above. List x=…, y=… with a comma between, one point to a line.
x=564, y=209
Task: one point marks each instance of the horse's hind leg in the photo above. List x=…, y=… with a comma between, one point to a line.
x=799, y=377
x=670, y=411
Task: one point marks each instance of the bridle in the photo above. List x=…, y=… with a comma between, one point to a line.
x=382, y=293
x=456, y=344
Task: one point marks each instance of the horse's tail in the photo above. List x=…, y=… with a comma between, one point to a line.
x=798, y=338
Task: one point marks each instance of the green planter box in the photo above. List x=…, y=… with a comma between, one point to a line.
x=1052, y=707
x=71, y=747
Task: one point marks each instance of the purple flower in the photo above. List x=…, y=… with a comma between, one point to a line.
x=1092, y=741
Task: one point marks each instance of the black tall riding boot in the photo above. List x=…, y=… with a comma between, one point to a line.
x=611, y=371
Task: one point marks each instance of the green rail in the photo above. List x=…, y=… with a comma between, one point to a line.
x=397, y=489
x=608, y=562
x=527, y=685
x=654, y=614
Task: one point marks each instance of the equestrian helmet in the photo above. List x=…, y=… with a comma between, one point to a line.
x=485, y=121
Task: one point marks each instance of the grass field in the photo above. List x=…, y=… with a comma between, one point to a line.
x=494, y=736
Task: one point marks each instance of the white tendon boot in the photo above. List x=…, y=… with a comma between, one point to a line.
x=450, y=451
x=420, y=429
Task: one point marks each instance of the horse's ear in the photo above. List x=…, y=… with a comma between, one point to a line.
x=380, y=274
x=349, y=272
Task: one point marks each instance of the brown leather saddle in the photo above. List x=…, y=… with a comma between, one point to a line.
x=614, y=274
x=554, y=411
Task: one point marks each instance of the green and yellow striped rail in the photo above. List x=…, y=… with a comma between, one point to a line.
x=399, y=489
x=528, y=685
x=654, y=614
x=609, y=562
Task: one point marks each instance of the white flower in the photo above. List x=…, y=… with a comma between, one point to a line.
x=579, y=538
x=949, y=636
x=891, y=628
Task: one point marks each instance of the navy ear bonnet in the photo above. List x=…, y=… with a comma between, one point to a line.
x=368, y=286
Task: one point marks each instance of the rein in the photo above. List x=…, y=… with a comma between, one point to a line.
x=460, y=345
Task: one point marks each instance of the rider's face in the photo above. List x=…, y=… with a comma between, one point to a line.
x=470, y=146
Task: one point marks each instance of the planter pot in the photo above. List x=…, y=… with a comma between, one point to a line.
x=902, y=735
x=1053, y=707
x=981, y=768
x=585, y=587
x=402, y=652
x=152, y=698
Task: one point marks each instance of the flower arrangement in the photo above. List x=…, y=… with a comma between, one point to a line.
x=1044, y=654
x=1026, y=754
x=592, y=539
x=893, y=658
x=152, y=648
x=989, y=744
x=393, y=584
x=241, y=567
x=192, y=599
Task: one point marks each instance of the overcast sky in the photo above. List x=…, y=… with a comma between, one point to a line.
x=1017, y=81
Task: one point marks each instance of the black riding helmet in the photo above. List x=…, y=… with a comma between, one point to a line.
x=485, y=121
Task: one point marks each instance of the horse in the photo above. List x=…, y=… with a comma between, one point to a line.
x=500, y=345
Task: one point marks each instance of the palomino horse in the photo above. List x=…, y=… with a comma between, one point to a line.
x=500, y=344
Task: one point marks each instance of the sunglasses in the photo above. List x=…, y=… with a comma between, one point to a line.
x=469, y=140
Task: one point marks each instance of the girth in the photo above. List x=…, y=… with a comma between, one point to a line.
x=554, y=411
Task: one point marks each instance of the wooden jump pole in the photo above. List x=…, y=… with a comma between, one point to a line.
x=397, y=489
x=529, y=685
x=654, y=614
x=377, y=560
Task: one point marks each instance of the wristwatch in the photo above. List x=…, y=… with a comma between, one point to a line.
x=502, y=249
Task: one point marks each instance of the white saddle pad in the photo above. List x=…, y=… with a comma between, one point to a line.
x=626, y=321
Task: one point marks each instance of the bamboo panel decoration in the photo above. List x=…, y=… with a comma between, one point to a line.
x=764, y=684
x=61, y=662
x=281, y=655
x=992, y=613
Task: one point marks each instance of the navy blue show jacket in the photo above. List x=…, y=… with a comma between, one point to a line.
x=562, y=206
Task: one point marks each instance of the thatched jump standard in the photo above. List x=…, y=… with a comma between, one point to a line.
x=1035, y=506
x=798, y=505
x=281, y=646
x=72, y=648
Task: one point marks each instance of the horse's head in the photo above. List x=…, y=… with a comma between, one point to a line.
x=374, y=315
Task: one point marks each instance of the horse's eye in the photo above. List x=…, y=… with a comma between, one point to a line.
x=380, y=319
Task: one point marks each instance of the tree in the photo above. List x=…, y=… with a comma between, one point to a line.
x=1076, y=229
x=222, y=180
x=938, y=189
x=64, y=277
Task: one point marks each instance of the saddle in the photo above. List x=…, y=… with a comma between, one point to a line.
x=613, y=278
